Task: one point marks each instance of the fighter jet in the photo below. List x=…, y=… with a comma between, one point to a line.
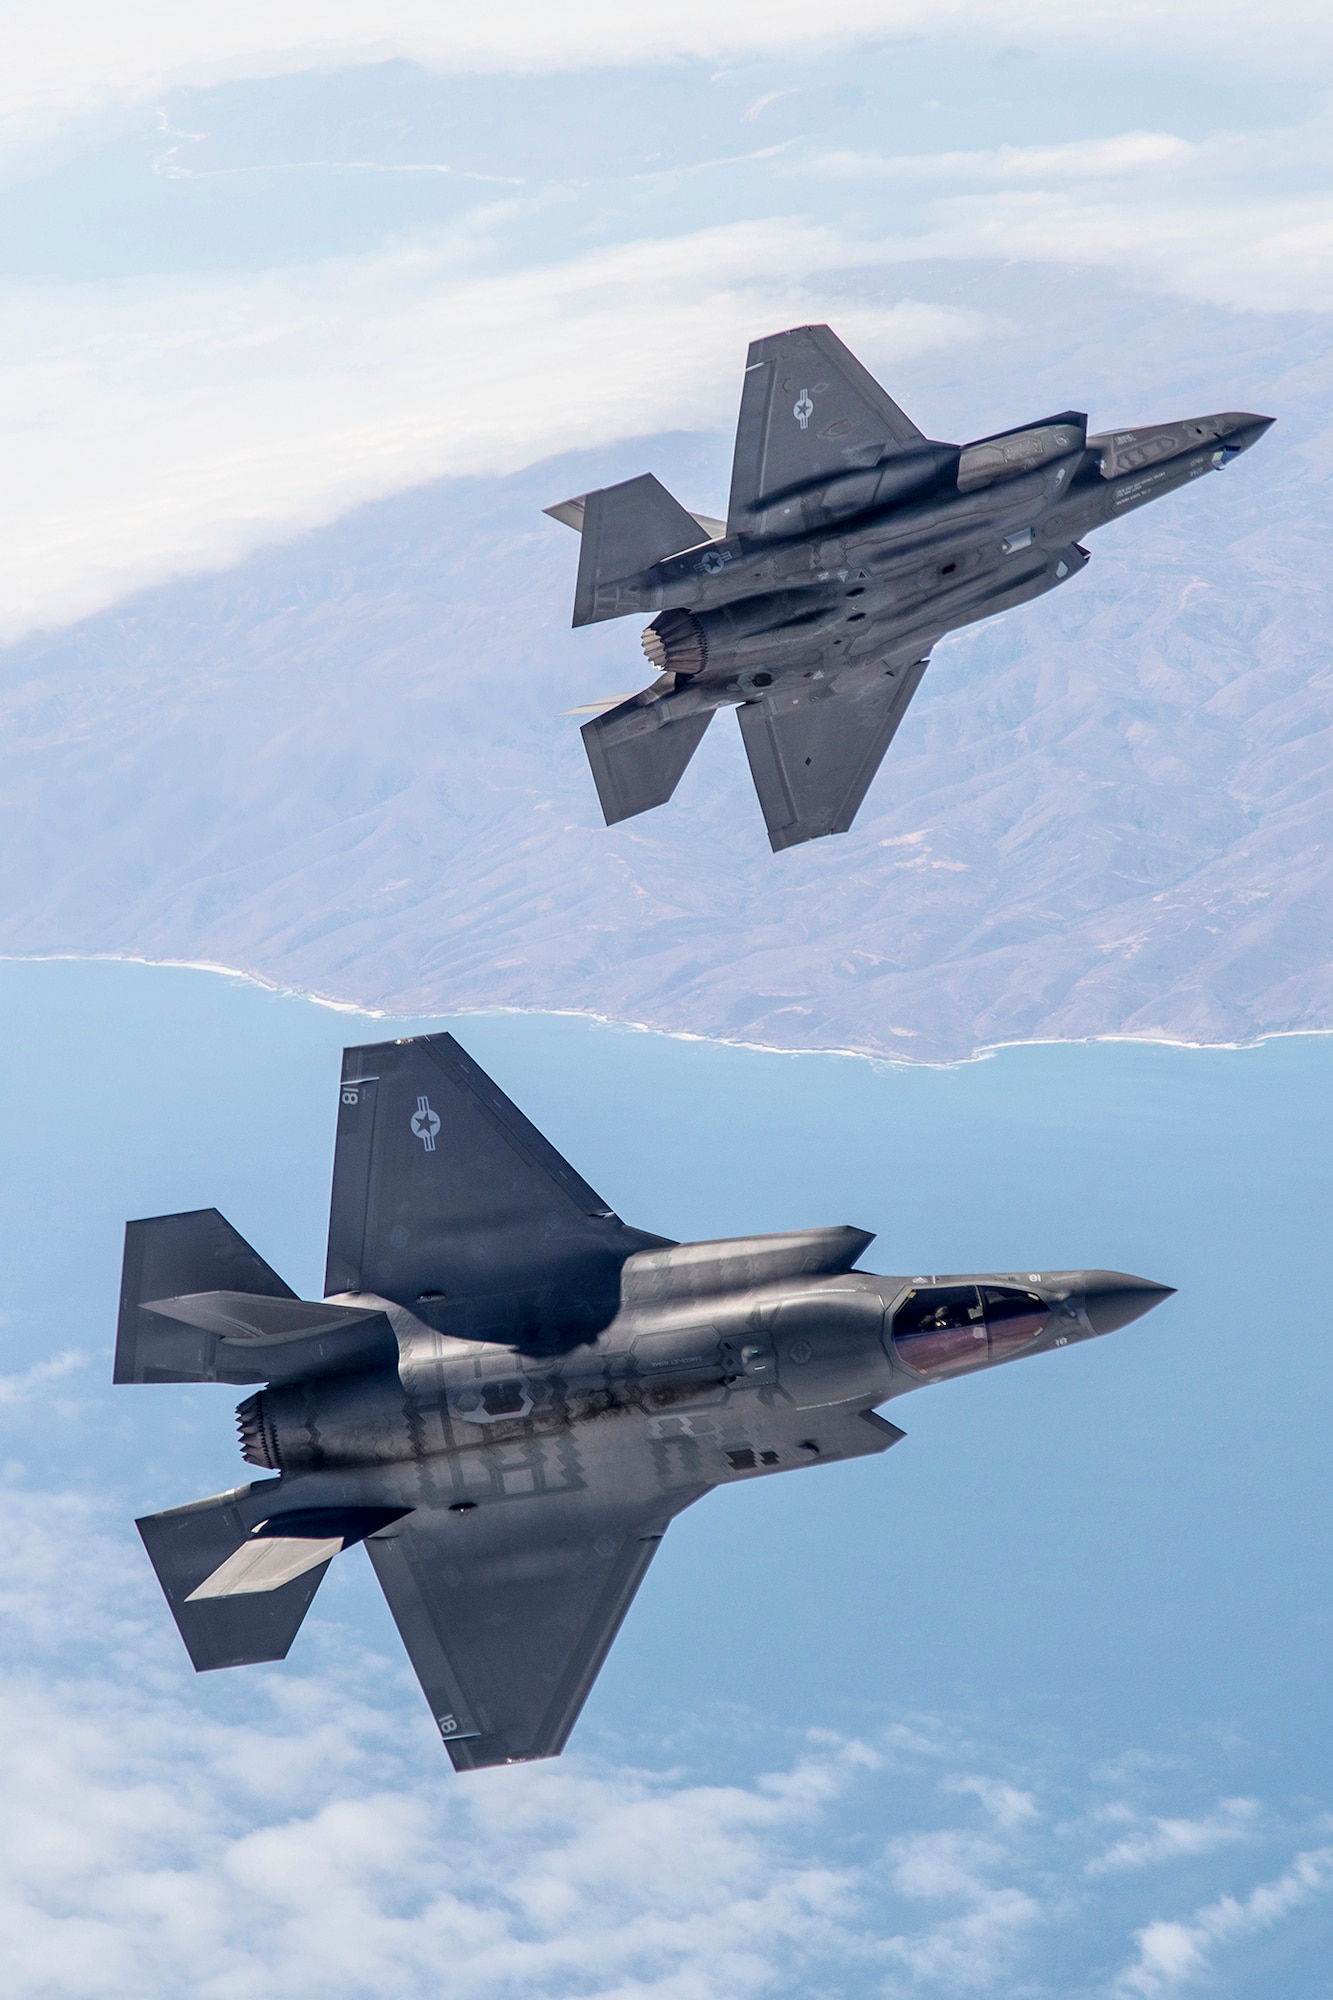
x=852, y=544
x=508, y=1394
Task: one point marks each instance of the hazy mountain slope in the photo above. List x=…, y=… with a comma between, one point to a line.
x=341, y=766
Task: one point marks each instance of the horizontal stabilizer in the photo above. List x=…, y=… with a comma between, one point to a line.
x=626, y=529
x=813, y=755
x=601, y=705
x=281, y=1549
x=258, y=1322
x=197, y=1304
x=263, y=1564
x=189, y=1545
x=570, y=514
x=638, y=753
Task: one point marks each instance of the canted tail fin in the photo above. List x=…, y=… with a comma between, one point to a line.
x=626, y=529
x=810, y=413
x=570, y=514
x=448, y=1200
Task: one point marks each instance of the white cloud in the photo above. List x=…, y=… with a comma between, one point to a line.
x=952, y=1863
x=1007, y=1806
x=1081, y=159
x=19, y=1388
x=143, y=1854
x=73, y=50
x=1157, y=1840
x=1239, y=220
x=166, y=425
x=1246, y=255
x=298, y=1830
x=74, y=63
x=979, y=1941
x=163, y=424
x=1175, y=1953
x=150, y=1845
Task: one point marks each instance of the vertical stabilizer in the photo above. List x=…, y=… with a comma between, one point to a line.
x=448, y=1200
x=626, y=529
x=809, y=413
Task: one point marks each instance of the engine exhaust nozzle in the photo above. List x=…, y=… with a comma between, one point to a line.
x=675, y=644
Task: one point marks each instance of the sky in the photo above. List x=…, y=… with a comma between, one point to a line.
x=256, y=268
x=1037, y=1706
x=299, y=333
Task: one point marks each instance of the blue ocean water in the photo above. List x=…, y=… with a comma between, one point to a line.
x=1121, y=1546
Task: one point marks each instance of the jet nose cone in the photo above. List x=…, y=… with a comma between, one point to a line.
x=1247, y=430
x=1112, y=1299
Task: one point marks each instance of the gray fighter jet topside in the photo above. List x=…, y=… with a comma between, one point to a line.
x=852, y=544
x=508, y=1394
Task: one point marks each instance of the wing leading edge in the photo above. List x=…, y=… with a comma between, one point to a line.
x=508, y=1603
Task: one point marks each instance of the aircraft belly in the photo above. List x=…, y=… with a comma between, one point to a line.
x=645, y=1450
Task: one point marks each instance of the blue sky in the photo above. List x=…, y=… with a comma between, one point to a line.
x=1035, y=1707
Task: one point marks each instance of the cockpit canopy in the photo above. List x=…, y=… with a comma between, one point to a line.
x=941, y=1330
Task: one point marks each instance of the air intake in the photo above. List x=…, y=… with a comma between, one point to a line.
x=258, y=1444
x=675, y=644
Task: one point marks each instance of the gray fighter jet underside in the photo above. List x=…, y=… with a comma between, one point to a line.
x=507, y=1394
x=852, y=544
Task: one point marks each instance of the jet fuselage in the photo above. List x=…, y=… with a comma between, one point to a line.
x=887, y=582
x=507, y=1393
x=853, y=543
x=715, y=1378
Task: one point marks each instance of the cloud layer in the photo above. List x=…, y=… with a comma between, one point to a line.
x=290, y=1831
x=166, y=425
x=172, y=423
x=72, y=55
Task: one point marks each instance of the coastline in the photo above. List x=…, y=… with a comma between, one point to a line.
x=877, y=1060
